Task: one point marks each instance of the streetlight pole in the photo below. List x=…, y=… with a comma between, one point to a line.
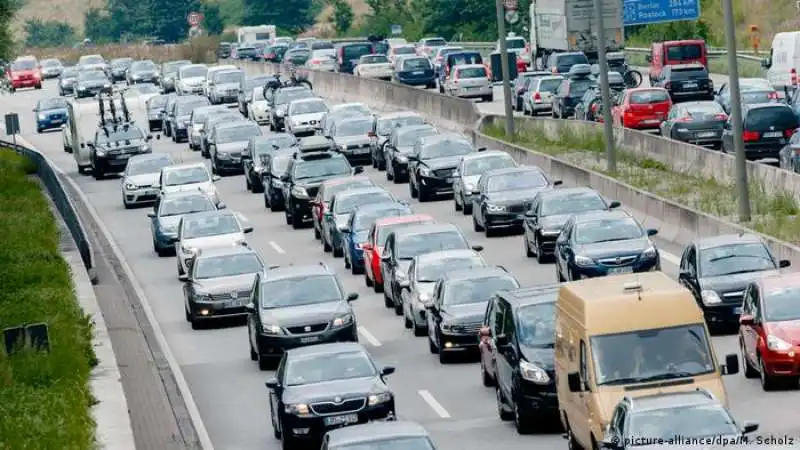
x=501, y=33
x=605, y=89
x=742, y=191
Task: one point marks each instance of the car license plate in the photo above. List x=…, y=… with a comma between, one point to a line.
x=234, y=303
x=773, y=134
x=626, y=269
x=346, y=419
x=309, y=339
x=706, y=134
x=361, y=151
x=419, y=72
x=690, y=85
x=737, y=310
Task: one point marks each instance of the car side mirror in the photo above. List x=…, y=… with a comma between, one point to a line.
x=285, y=178
x=413, y=157
x=221, y=205
x=749, y=427
x=173, y=240
x=215, y=178
x=784, y=263
x=251, y=308
x=684, y=274
x=652, y=232
x=358, y=169
x=574, y=382
x=557, y=182
x=482, y=149
x=477, y=248
x=345, y=229
x=151, y=215
x=83, y=144
x=766, y=63
x=731, y=366
x=610, y=443
x=501, y=340
x=530, y=213
x=248, y=229
x=476, y=192
x=388, y=370
x=614, y=204
x=746, y=320
x=272, y=383
x=352, y=296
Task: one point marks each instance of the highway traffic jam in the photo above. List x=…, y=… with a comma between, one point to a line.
x=584, y=338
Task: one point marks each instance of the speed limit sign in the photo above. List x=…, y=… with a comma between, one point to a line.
x=194, y=18
x=511, y=4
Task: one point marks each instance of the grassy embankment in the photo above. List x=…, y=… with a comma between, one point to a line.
x=198, y=50
x=44, y=397
x=773, y=213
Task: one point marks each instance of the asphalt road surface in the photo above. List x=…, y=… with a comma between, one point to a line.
x=229, y=389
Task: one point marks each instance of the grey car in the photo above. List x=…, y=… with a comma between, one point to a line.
x=91, y=82
x=469, y=171
x=51, y=68
x=210, y=229
x=355, y=138
x=144, y=71
x=303, y=116
x=384, y=125
x=342, y=110
x=66, y=81
x=169, y=71
x=190, y=79
x=223, y=87
x=140, y=179
x=197, y=122
x=227, y=141
x=399, y=147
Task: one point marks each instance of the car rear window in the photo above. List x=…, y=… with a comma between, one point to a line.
x=465, y=58
x=515, y=44
x=770, y=118
x=549, y=85
x=571, y=59
x=472, y=72
x=753, y=97
x=416, y=64
x=648, y=97
x=356, y=51
x=435, y=43
x=687, y=52
x=685, y=74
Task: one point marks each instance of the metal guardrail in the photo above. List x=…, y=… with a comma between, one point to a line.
x=55, y=186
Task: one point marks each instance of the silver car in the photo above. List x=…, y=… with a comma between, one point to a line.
x=423, y=273
x=190, y=79
x=140, y=179
x=539, y=96
x=304, y=116
x=469, y=81
x=188, y=177
x=259, y=111
x=223, y=87
x=469, y=171
x=205, y=230
x=51, y=68
x=323, y=60
x=197, y=121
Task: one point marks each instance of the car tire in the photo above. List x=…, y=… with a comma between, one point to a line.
x=486, y=379
x=475, y=225
x=528, y=252
x=432, y=346
x=423, y=195
x=768, y=382
x=749, y=371
x=466, y=209
x=326, y=247
x=419, y=331
x=504, y=414
x=412, y=190
x=347, y=264
x=540, y=256
x=337, y=252
x=390, y=175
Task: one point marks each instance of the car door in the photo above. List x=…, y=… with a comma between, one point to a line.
x=505, y=355
x=387, y=264
x=561, y=248
x=369, y=251
x=689, y=275
x=531, y=222
x=666, y=126
x=749, y=332
x=254, y=316
x=486, y=345
x=276, y=395
x=434, y=314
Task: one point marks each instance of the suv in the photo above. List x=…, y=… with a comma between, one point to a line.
x=276, y=324
x=562, y=63
x=686, y=82
x=577, y=81
x=516, y=348
x=303, y=177
x=766, y=128
x=113, y=145
x=347, y=55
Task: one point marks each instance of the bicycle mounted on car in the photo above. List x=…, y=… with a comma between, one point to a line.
x=294, y=80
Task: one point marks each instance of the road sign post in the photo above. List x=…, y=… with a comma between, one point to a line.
x=501, y=33
x=194, y=18
x=642, y=12
x=605, y=88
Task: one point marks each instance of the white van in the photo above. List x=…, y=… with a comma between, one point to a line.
x=783, y=63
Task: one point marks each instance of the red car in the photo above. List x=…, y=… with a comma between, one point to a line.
x=769, y=331
x=326, y=192
x=24, y=73
x=642, y=108
x=377, y=237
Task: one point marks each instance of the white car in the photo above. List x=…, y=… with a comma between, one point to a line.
x=323, y=60
x=304, y=116
x=209, y=79
x=140, y=179
x=190, y=79
x=401, y=51
x=259, y=110
x=208, y=229
x=374, y=66
x=188, y=177
x=469, y=81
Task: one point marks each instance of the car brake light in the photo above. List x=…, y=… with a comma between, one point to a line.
x=554, y=70
x=371, y=134
x=796, y=150
x=789, y=133
x=772, y=95
x=750, y=136
x=685, y=119
x=315, y=61
x=595, y=107
x=721, y=116
x=537, y=97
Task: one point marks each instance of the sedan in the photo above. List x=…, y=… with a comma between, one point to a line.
x=325, y=193
x=392, y=434
x=205, y=230
x=304, y=116
x=167, y=214
x=374, y=66
x=699, y=123
x=469, y=171
x=342, y=206
x=355, y=235
x=140, y=179
x=50, y=113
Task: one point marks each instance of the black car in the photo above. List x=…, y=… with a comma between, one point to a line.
x=459, y=305
x=154, y=107
x=248, y=52
x=90, y=83
x=254, y=164
x=302, y=179
x=502, y=196
x=562, y=63
x=224, y=50
x=401, y=144
x=390, y=434
x=432, y=164
x=279, y=104
x=113, y=145
x=169, y=70
x=590, y=106
x=600, y=243
x=718, y=269
x=227, y=141
x=518, y=356
x=119, y=68
x=699, y=123
x=168, y=108
x=295, y=306
x=275, y=53
x=550, y=210
x=180, y=114
x=348, y=54
x=323, y=387
x=414, y=71
x=686, y=82
x=144, y=71
x=767, y=127
x=275, y=165
x=576, y=82
x=383, y=127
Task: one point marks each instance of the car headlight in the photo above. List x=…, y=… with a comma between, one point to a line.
x=495, y=208
x=425, y=298
x=377, y=399
x=277, y=183
x=343, y=147
x=583, y=261
x=777, y=344
x=298, y=409
x=300, y=192
x=205, y=298
x=145, y=147
x=650, y=252
x=425, y=172
x=446, y=327
x=131, y=186
x=223, y=155
x=42, y=117
x=269, y=328
x=403, y=159
x=710, y=297
x=469, y=187
x=401, y=276
x=281, y=112
x=343, y=320
x=106, y=85
x=188, y=251
x=550, y=232
x=100, y=153
x=533, y=373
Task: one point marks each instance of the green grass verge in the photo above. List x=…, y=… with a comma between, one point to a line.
x=773, y=213
x=44, y=397
x=747, y=69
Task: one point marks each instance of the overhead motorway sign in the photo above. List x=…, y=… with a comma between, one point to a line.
x=641, y=12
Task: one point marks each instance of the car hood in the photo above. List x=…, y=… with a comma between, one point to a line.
x=67, y=80
x=227, y=87
x=442, y=163
x=614, y=248
x=469, y=313
x=305, y=314
x=224, y=284
x=734, y=282
x=542, y=357
x=220, y=240
x=193, y=80
x=308, y=117
x=259, y=104
x=169, y=223
x=403, y=265
x=315, y=392
x=123, y=144
x=145, y=179
x=206, y=186
x=231, y=147
x=513, y=196
x=93, y=82
x=141, y=73
x=404, y=149
x=470, y=179
x=351, y=140
x=555, y=222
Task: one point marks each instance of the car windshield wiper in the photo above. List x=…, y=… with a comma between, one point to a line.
x=667, y=376
x=721, y=258
x=614, y=239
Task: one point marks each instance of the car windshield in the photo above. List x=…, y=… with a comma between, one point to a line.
x=353, y=127
x=172, y=67
x=258, y=94
x=308, y=107
x=53, y=103
x=445, y=148
x=692, y=422
x=735, y=258
x=650, y=355
x=119, y=135
x=51, y=63
x=571, y=204
x=477, y=166
x=770, y=118
x=317, y=168
x=237, y=133
x=123, y=62
x=193, y=72
x=143, y=66
x=514, y=181
x=299, y=291
x=226, y=266
x=392, y=443
x=190, y=175
x=571, y=60
x=91, y=75
x=476, y=290
x=228, y=77
x=268, y=145
x=409, y=138
x=385, y=126
x=374, y=59
x=416, y=64
x=320, y=368
x=70, y=72
x=157, y=102
x=210, y=225
x=536, y=325
x=433, y=269
x=185, y=205
x=416, y=244
x=648, y=97
x=608, y=230
x=185, y=108
x=340, y=186
x=364, y=219
x=688, y=74
x=435, y=42
x=549, y=85
x=753, y=97
x=146, y=165
x=285, y=97
x=782, y=305
x=579, y=87
x=472, y=72
x=279, y=164
x=348, y=203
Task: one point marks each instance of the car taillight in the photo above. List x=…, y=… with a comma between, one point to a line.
x=315, y=62
x=721, y=116
x=595, y=107
x=554, y=70
x=537, y=97
x=686, y=119
x=750, y=136
x=439, y=58
x=772, y=95
x=372, y=134
x=789, y=133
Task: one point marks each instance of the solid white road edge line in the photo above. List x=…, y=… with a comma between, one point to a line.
x=180, y=380
x=369, y=337
x=433, y=403
x=672, y=259
x=276, y=247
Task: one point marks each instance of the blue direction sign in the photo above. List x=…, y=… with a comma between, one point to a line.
x=641, y=12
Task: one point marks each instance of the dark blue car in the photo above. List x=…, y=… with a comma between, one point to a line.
x=600, y=243
x=50, y=113
x=356, y=233
x=167, y=215
x=415, y=71
x=337, y=217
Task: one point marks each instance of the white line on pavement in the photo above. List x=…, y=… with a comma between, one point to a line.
x=276, y=247
x=369, y=337
x=672, y=259
x=435, y=405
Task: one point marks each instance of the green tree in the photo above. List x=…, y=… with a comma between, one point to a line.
x=231, y=11
x=169, y=18
x=289, y=16
x=50, y=33
x=342, y=16
x=8, y=9
x=98, y=28
x=212, y=18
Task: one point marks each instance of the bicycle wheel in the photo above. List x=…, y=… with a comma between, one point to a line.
x=632, y=78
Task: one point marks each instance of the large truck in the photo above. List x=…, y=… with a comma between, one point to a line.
x=258, y=33
x=569, y=26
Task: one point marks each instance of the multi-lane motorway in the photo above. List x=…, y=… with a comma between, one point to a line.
x=229, y=389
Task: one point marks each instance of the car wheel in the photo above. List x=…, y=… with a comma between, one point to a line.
x=475, y=225
x=317, y=234
x=253, y=354
x=467, y=208
x=522, y=419
x=768, y=382
x=540, y=257
x=288, y=217
x=528, y=252
x=247, y=185
x=456, y=205
x=749, y=370
x=326, y=246
x=367, y=280
x=423, y=195
x=432, y=346
x=297, y=222
x=347, y=264
x=412, y=190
